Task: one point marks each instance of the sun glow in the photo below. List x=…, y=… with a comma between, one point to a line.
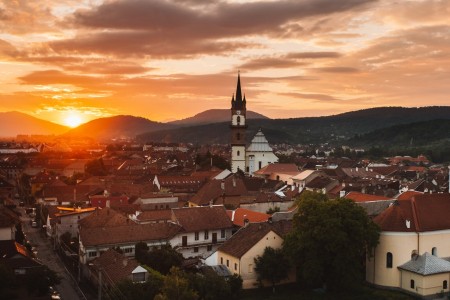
x=73, y=120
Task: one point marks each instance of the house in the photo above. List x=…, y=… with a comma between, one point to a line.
x=114, y=268
x=96, y=240
x=203, y=230
x=239, y=252
x=67, y=219
x=229, y=192
x=16, y=257
x=8, y=222
x=411, y=228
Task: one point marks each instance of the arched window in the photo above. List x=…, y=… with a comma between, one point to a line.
x=412, y=284
x=445, y=284
x=238, y=136
x=238, y=153
x=238, y=120
x=434, y=251
x=389, y=260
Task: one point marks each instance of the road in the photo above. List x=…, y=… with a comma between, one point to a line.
x=68, y=289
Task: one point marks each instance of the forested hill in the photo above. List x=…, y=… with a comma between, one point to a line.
x=406, y=135
x=337, y=128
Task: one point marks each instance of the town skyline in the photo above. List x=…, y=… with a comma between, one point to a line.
x=71, y=62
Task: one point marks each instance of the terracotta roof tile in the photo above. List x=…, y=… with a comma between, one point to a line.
x=361, y=197
x=130, y=233
x=239, y=215
x=427, y=212
x=201, y=218
x=116, y=266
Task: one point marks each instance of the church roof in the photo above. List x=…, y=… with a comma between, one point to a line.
x=259, y=143
x=426, y=264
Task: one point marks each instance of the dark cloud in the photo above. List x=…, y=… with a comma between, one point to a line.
x=313, y=55
x=58, y=77
x=164, y=28
x=266, y=63
x=314, y=97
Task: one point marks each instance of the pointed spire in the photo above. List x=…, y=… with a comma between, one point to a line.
x=238, y=88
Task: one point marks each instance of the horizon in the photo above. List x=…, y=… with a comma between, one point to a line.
x=70, y=63
x=165, y=122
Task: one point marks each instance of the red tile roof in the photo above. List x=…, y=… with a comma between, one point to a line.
x=361, y=197
x=427, y=212
x=130, y=233
x=201, y=218
x=408, y=195
x=277, y=168
x=239, y=215
x=115, y=265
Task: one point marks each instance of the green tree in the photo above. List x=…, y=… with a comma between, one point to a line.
x=272, y=266
x=163, y=259
x=176, y=287
x=141, y=251
x=330, y=240
x=137, y=291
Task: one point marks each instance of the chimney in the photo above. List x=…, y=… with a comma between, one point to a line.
x=246, y=221
x=269, y=220
x=222, y=184
x=108, y=203
x=234, y=182
x=125, y=262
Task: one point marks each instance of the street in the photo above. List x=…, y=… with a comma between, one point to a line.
x=67, y=288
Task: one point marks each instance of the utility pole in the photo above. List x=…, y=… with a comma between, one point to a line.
x=100, y=284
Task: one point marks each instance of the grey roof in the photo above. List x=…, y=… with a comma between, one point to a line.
x=426, y=264
x=374, y=208
x=259, y=143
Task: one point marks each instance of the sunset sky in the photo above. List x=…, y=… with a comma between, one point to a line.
x=70, y=61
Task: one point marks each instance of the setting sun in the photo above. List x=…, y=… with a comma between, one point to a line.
x=73, y=120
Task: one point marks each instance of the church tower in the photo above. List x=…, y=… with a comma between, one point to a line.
x=238, y=127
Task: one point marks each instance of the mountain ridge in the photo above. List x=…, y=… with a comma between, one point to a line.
x=18, y=123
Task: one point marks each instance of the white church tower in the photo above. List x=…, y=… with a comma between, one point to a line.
x=238, y=127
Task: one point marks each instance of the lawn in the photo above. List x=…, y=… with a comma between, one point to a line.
x=291, y=292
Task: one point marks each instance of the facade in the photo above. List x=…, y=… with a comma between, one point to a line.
x=409, y=229
x=238, y=253
x=204, y=229
x=259, y=154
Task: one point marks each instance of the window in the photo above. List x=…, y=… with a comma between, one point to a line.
x=139, y=277
x=238, y=119
x=221, y=260
x=196, y=235
x=250, y=268
x=222, y=233
x=445, y=284
x=235, y=266
x=238, y=153
x=184, y=240
x=127, y=250
x=434, y=251
x=206, y=235
x=228, y=263
x=411, y=284
x=92, y=253
x=195, y=249
x=259, y=164
x=389, y=260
